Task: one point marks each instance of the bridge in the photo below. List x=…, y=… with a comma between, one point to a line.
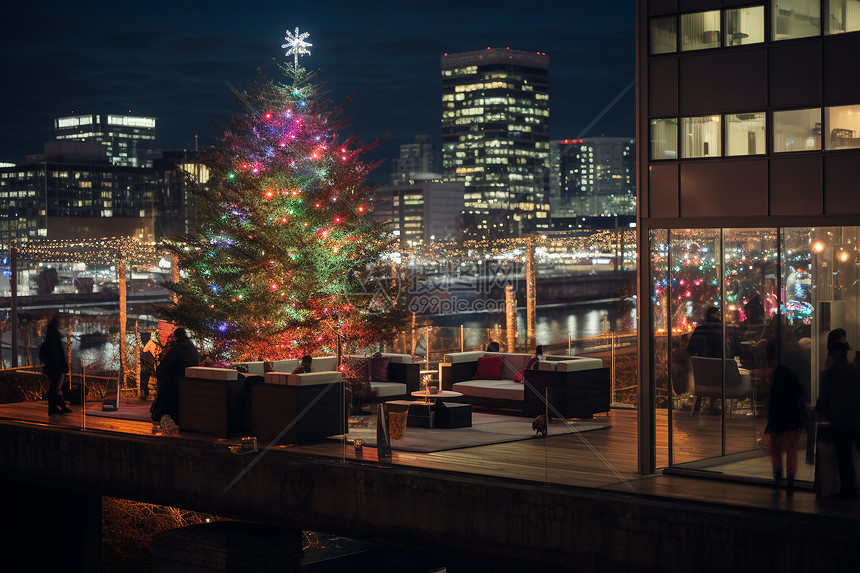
x=53, y=477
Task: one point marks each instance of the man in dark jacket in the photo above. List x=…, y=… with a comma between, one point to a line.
x=839, y=403
x=180, y=355
x=53, y=356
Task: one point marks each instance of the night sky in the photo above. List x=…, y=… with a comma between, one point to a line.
x=172, y=60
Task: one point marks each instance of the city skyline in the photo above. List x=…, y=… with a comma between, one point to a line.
x=173, y=63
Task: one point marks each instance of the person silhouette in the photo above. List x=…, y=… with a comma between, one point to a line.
x=180, y=355
x=53, y=356
x=785, y=418
x=707, y=339
x=839, y=403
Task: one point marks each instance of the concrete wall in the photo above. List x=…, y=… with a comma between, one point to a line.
x=486, y=518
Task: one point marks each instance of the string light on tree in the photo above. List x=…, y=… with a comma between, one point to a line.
x=282, y=234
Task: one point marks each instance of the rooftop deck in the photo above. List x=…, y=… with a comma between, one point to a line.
x=601, y=460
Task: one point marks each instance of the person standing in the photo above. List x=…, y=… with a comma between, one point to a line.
x=785, y=417
x=180, y=354
x=839, y=403
x=148, y=357
x=53, y=356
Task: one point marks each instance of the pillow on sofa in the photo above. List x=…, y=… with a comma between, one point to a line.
x=268, y=366
x=379, y=368
x=298, y=370
x=532, y=364
x=489, y=368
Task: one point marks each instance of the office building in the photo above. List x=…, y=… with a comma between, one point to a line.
x=495, y=138
x=749, y=118
x=592, y=177
x=417, y=160
x=129, y=140
x=74, y=192
x=421, y=211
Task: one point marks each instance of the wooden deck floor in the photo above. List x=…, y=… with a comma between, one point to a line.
x=603, y=459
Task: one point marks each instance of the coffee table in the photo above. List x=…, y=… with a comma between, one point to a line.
x=422, y=413
x=430, y=398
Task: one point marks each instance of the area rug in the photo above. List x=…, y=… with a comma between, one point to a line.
x=486, y=429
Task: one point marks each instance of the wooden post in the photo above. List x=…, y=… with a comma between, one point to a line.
x=83, y=396
x=123, y=316
x=531, y=297
x=137, y=355
x=511, y=317
x=69, y=350
x=174, y=268
x=13, y=310
x=412, y=340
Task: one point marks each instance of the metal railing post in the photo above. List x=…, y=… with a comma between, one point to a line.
x=612, y=365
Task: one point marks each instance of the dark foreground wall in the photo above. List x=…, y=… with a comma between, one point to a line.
x=490, y=519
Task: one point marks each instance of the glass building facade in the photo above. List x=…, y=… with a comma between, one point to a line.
x=593, y=177
x=749, y=205
x=495, y=138
x=129, y=139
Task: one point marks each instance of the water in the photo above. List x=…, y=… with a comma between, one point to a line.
x=554, y=323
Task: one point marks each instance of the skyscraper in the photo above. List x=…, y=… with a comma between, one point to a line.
x=128, y=139
x=495, y=137
x=417, y=160
x=593, y=177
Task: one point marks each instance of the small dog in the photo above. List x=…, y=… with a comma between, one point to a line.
x=539, y=425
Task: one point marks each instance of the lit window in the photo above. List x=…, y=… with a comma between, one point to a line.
x=664, y=35
x=843, y=16
x=700, y=30
x=744, y=26
x=796, y=18
x=797, y=130
x=843, y=127
x=745, y=134
x=701, y=136
x=664, y=138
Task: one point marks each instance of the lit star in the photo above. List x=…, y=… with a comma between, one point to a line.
x=297, y=46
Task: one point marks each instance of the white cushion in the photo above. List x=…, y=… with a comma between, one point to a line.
x=572, y=364
x=196, y=372
x=287, y=365
x=323, y=364
x=275, y=377
x=313, y=378
x=383, y=389
x=476, y=387
x=506, y=391
x=402, y=358
x=546, y=365
x=457, y=357
x=210, y=373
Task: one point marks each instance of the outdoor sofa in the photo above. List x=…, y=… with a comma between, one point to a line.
x=273, y=406
x=402, y=376
x=575, y=387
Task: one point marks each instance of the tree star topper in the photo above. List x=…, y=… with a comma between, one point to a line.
x=297, y=46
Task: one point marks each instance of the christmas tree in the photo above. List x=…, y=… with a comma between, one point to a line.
x=284, y=260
